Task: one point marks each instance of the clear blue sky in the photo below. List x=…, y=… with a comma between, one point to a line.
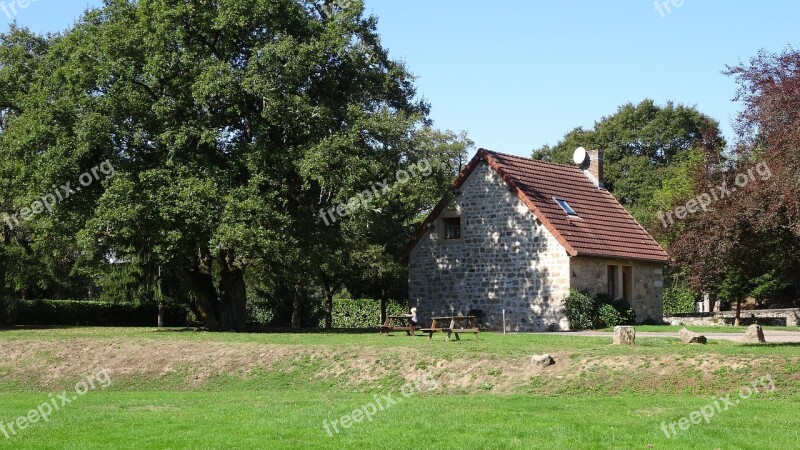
x=520, y=74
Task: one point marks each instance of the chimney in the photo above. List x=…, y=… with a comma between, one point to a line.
x=595, y=169
x=591, y=163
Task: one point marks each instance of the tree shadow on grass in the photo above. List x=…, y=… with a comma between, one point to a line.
x=276, y=330
x=38, y=327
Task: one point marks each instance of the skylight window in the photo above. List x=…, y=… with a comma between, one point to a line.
x=565, y=206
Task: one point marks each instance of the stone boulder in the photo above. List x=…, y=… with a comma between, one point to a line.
x=754, y=335
x=542, y=360
x=624, y=335
x=690, y=337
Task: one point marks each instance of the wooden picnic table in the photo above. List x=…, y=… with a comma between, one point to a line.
x=397, y=323
x=451, y=328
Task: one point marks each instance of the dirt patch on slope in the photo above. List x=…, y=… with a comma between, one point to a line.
x=53, y=365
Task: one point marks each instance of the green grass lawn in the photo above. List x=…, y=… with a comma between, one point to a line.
x=286, y=403
x=293, y=418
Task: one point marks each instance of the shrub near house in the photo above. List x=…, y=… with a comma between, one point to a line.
x=601, y=311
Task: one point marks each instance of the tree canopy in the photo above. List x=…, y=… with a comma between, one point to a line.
x=643, y=145
x=229, y=126
x=748, y=244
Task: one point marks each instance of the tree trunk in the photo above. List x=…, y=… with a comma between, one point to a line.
x=297, y=304
x=736, y=321
x=161, y=313
x=201, y=285
x=223, y=311
x=383, y=306
x=90, y=290
x=207, y=302
x=233, y=299
x=328, y=309
x=3, y=318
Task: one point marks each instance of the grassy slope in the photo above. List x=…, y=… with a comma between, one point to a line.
x=286, y=407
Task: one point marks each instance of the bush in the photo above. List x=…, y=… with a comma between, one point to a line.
x=602, y=311
x=679, y=300
x=579, y=309
x=608, y=316
x=89, y=313
x=361, y=313
x=622, y=313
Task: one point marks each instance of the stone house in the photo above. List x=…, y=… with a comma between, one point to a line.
x=519, y=233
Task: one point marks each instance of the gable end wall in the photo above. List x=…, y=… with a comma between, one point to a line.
x=505, y=259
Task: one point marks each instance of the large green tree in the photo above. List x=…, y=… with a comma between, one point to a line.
x=748, y=244
x=642, y=144
x=36, y=256
x=229, y=125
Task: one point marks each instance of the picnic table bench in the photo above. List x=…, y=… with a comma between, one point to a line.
x=451, y=328
x=397, y=323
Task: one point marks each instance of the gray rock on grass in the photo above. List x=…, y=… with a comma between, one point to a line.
x=624, y=335
x=754, y=335
x=690, y=337
x=542, y=360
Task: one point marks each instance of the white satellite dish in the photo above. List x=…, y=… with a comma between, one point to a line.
x=581, y=157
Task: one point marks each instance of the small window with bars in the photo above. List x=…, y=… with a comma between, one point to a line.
x=452, y=227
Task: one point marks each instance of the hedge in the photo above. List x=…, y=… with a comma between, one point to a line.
x=347, y=313
x=89, y=313
x=361, y=313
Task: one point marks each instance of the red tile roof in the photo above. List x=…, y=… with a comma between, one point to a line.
x=602, y=228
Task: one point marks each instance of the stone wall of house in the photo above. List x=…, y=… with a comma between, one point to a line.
x=591, y=274
x=505, y=259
